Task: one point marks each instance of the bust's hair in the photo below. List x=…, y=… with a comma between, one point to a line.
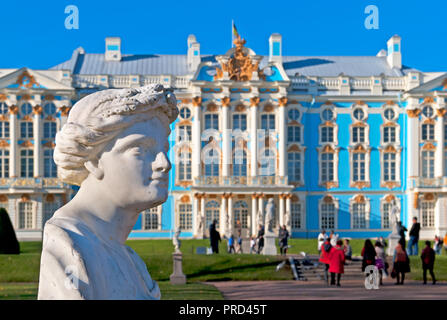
x=99, y=117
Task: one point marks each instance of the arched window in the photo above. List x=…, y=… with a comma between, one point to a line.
x=268, y=121
x=428, y=131
x=211, y=121
x=184, y=165
x=185, y=133
x=185, y=113
x=26, y=130
x=327, y=215
x=428, y=213
x=26, y=163
x=389, y=166
x=212, y=163
x=327, y=167
x=428, y=164
x=296, y=220
x=185, y=216
x=212, y=212
x=4, y=163
x=294, y=166
x=4, y=129
x=359, y=219
x=358, y=166
x=26, y=218
x=150, y=218
x=49, y=167
x=240, y=210
x=240, y=121
x=239, y=163
x=26, y=109
x=49, y=130
x=268, y=162
x=293, y=134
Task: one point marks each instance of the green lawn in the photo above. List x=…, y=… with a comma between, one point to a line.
x=19, y=274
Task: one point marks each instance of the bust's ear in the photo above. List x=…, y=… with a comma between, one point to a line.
x=94, y=168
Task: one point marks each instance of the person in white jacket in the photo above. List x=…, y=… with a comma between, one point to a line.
x=321, y=238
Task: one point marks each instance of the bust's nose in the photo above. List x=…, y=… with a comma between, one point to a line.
x=161, y=163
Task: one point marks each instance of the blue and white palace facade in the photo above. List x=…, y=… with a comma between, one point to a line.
x=336, y=141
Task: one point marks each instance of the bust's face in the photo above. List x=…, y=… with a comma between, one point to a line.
x=136, y=167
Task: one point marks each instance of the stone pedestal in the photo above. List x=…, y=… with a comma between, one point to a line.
x=393, y=240
x=177, y=277
x=269, y=244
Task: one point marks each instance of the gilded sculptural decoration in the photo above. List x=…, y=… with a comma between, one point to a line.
x=26, y=80
x=240, y=66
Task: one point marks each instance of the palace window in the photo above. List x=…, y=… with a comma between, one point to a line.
x=358, y=135
x=327, y=216
x=185, y=133
x=386, y=210
x=212, y=211
x=212, y=163
x=239, y=163
x=327, y=134
x=296, y=222
x=48, y=210
x=428, y=132
x=268, y=121
x=49, y=167
x=428, y=164
x=327, y=167
x=185, y=216
x=4, y=109
x=211, y=121
x=184, y=166
x=428, y=214
x=268, y=163
x=294, y=166
x=240, y=121
x=389, y=134
x=389, y=166
x=389, y=114
x=294, y=114
x=240, y=210
x=327, y=115
x=26, y=163
x=4, y=163
x=26, y=109
x=428, y=111
x=26, y=215
x=358, y=114
x=49, y=109
x=150, y=218
x=4, y=129
x=49, y=130
x=26, y=130
x=359, y=216
x=358, y=167
x=293, y=134
x=185, y=113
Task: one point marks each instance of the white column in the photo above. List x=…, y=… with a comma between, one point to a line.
x=13, y=152
x=440, y=216
x=196, y=139
x=439, y=154
x=37, y=133
x=202, y=211
x=253, y=137
x=289, y=212
x=223, y=216
x=254, y=214
x=261, y=208
x=282, y=136
x=230, y=214
x=412, y=139
x=196, y=215
x=226, y=140
x=281, y=210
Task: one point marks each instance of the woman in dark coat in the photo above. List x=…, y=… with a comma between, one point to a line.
x=368, y=254
x=401, y=264
x=214, y=237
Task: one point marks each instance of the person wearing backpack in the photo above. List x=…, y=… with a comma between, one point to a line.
x=324, y=258
x=428, y=262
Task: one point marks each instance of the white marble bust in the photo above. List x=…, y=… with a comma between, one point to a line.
x=270, y=214
x=114, y=147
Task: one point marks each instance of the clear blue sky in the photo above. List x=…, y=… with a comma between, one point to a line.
x=33, y=32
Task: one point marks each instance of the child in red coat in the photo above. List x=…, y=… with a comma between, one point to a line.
x=336, y=262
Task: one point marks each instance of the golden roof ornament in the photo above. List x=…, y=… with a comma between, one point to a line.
x=240, y=66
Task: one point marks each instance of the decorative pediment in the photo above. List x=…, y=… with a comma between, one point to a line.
x=428, y=100
x=282, y=102
x=390, y=185
x=429, y=121
x=390, y=149
x=64, y=110
x=225, y=101
x=3, y=198
x=441, y=112
x=429, y=146
x=185, y=199
x=330, y=184
x=4, y=144
x=328, y=199
x=360, y=198
x=254, y=101
x=329, y=124
x=328, y=149
x=240, y=66
x=3, y=97
x=27, y=144
x=196, y=101
x=360, y=149
x=359, y=124
x=50, y=144
x=390, y=198
x=429, y=196
x=240, y=108
x=25, y=80
x=294, y=148
x=390, y=124
x=360, y=184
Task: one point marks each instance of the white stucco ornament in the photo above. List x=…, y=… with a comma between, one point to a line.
x=114, y=147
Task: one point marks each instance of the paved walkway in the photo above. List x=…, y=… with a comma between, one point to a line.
x=310, y=290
